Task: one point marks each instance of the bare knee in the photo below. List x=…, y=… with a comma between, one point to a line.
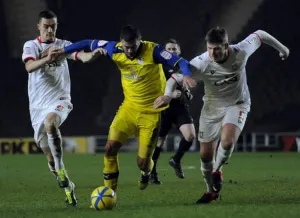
x=230, y=134
x=207, y=150
x=112, y=148
x=161, y=141
x=143, y=163
x=51, y=123
x=188, y=132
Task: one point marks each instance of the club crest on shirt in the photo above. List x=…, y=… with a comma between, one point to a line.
x=212, y=72
x=59, y=108
x=140, y=61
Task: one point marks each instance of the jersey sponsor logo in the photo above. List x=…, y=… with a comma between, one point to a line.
x=133, y=75
x=166, y=55
x=229, y=79
x=54, y=64
x=102, y=43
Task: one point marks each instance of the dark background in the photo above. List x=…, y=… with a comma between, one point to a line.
x=95, y=88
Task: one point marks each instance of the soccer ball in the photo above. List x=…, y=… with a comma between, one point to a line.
x=103, y=198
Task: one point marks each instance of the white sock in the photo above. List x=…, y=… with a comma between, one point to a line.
x=222, y=157
x=55, y=145
x=206, y=169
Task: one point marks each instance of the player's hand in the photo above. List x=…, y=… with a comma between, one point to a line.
x=99, y=51
x=189, y=82
x=176, y=94
x=46, y=52
x=52, y=54
x=161, y=101
x=284, y=55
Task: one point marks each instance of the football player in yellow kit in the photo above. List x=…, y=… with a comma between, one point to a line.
x=143, y=80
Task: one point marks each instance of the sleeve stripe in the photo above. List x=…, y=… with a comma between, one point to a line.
x=258, y=37
x=91, y=47
x=177, y=61
x=76, y=56
x=174, y=79
x=29, y=58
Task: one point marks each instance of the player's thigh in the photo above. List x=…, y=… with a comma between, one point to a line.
x=184, y=122
x=166, y=123
x=123, y=125
x=233, y=123
x=148, y=127
x=60, y=109
x=209, y=129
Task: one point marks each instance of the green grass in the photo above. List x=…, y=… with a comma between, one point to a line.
x=256, y=185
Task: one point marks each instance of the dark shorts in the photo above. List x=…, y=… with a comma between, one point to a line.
x=177, y=114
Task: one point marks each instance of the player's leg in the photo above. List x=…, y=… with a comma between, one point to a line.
x=54, y=118
x=121, y=128
x=233, y=124
x=209, y=132
x=165, y=126
x=43, y=144
x=184, y=123
x=148, y=126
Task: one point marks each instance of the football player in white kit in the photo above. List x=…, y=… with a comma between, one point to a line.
x=49, y=94
x=226, y=99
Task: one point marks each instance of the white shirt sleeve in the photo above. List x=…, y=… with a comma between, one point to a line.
x=199, y=63
x=29, y=51
x=250, y=44
x=72, y=56
x=178, y=78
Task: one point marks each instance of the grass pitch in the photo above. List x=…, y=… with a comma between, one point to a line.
x=255, y=185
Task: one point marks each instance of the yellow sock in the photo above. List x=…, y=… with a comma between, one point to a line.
x=111, y=171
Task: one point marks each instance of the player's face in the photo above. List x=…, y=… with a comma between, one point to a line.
x=217, y=51
x=130, y=48
x=47, y=28
x=173, y=48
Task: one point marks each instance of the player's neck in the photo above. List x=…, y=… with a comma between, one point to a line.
x=39, y=38
x=224, y=58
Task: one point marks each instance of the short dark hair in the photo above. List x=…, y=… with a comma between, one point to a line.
x=130, y=33
x=171, y=40
x=46, y=14
x=217, y=35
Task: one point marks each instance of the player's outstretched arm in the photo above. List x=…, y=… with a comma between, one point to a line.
x=170, y=91
x=272, y=41
x=166, y=58
x=87, y=57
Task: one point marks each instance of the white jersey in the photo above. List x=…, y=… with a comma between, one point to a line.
x=178, y=77
x=225, y=84
x=51, y=82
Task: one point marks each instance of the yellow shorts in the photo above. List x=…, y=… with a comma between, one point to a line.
x=145, y=126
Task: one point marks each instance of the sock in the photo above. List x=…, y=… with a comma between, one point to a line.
x=222, y=157
x=155, y=159
x=51, y=166
x=111, y=171
x=206, y=169
x=55, y=145
x=184, y=146
x=150, y=167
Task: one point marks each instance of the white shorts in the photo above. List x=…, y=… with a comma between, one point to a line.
x=38, y=116
x=212, y=120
